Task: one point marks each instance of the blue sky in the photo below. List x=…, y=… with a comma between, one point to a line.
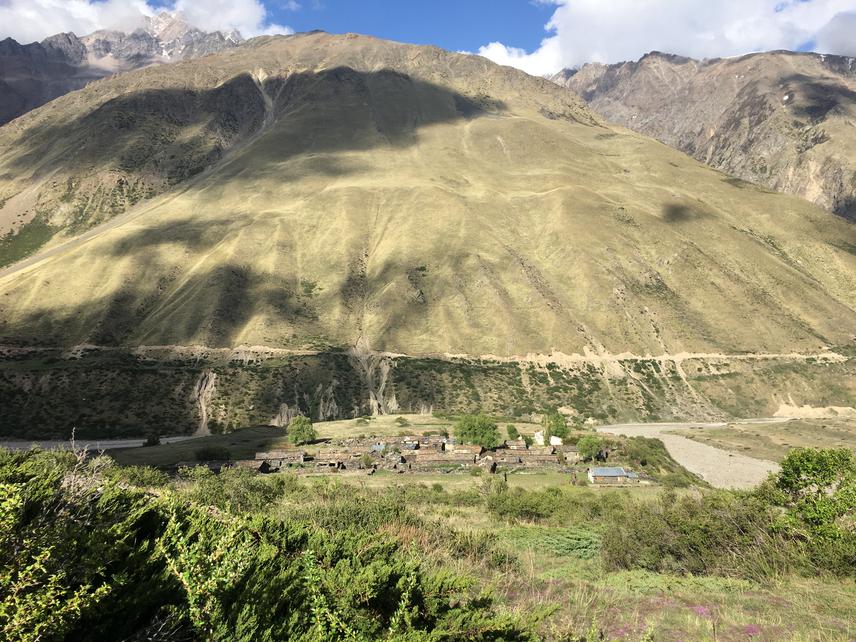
x=451, y=24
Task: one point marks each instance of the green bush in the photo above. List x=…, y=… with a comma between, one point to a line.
x=511, y=431
x=589, y=447
x=477, y=429
x=85, y=558
x=524, y=505
x=142, y=476
x=301, y=431
x=238, y=490
x=798, y=522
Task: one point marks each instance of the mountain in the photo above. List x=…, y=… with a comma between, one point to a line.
x=780, y=119
x=345, y=224
x=33, y=74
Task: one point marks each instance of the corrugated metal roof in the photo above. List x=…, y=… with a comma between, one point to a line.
x=608, y=471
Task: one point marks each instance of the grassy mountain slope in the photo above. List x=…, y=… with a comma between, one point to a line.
x=317, y=193
x=416, y=200
x=780, y=119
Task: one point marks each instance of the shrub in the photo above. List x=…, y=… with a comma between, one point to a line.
x=83, y=558
x=401, y=421
x=142, y=476
x=477, y=429
x=301, y=431
x=524, y=505
x=511, y=431
x=238, y=490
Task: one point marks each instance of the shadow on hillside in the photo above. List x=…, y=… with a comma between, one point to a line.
x=846, y=209
x=816, y=98
x=680, y=213
x=176, y=133
x=213, y=307
x=159, y=304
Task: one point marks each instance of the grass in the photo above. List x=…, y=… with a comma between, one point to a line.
x=242, y=444
x=31, y=236
x=773, y=441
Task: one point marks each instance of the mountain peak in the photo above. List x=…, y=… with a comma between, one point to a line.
x=35, y=73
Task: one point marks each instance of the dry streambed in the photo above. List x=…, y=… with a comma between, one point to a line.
x=719, y=468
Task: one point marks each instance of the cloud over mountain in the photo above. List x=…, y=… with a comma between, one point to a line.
x=30, y=20
x=596, y=31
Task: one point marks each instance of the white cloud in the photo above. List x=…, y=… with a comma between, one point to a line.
x=614, y=30
x=31, y=20
x=247, y=16
x=839, y=35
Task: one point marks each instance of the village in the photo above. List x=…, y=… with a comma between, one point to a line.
x=404, y=454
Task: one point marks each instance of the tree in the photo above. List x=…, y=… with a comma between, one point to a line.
x=301, y=431
x=589, y=447
x=512, y=432
x=554, y=425
x=477, y=429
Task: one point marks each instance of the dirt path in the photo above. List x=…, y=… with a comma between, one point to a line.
x=719, y=468
x=86, y=444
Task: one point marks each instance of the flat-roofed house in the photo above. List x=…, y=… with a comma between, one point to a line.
x=538, y=455
x=421, y=457
x=611, y=475
x=464, y=448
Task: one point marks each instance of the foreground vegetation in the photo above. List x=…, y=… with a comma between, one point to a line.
x=92, y=551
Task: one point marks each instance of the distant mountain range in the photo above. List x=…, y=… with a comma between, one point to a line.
x=779, y=119
x=33, y=74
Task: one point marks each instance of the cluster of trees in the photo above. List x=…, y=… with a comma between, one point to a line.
x=554, y=424
x=477, y=429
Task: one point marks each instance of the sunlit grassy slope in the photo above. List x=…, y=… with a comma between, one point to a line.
x=419, y=200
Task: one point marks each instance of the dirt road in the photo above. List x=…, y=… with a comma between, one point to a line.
x=86, y=444
x=719, y=468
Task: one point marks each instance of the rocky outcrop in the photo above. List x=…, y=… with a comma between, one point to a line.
x=780, y=119
x=34, y=74
x=202, y=393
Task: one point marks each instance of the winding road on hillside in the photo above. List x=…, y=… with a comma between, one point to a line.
x=720, y=468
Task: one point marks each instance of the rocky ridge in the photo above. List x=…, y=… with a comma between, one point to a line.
x=36, y=73
x=780, y=119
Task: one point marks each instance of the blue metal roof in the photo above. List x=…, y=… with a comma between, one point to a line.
x=608, y=471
